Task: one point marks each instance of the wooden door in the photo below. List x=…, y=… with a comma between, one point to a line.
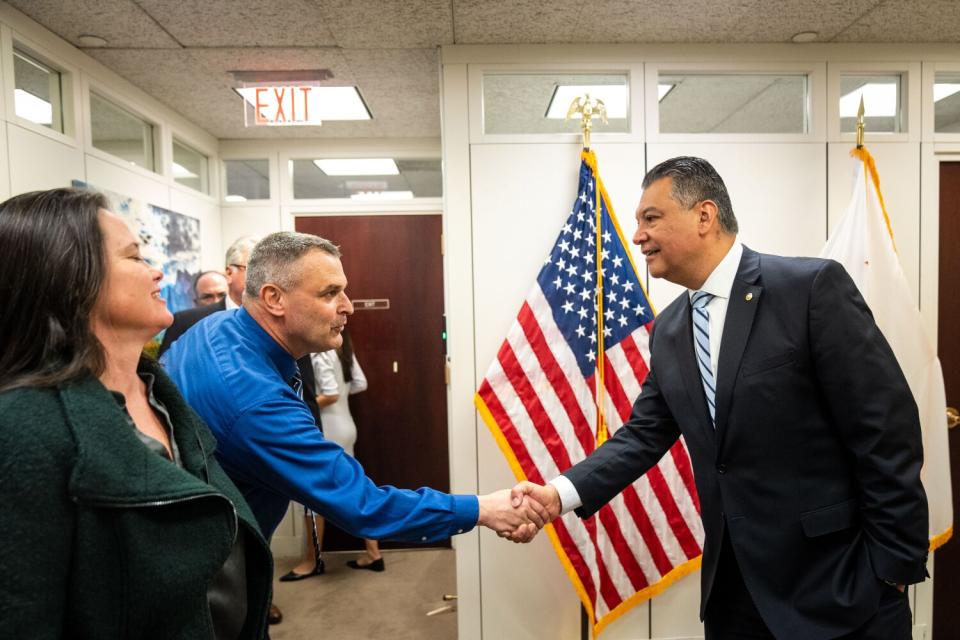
x=402, y=416
x=946, y=587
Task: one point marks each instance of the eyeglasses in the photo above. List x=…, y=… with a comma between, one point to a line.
x=242, y=267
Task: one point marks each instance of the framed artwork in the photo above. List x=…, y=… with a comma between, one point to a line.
x=169, y=240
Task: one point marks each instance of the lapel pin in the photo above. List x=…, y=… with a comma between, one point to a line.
x=748, y=297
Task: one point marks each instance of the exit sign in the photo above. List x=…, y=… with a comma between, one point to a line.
x=284, y=106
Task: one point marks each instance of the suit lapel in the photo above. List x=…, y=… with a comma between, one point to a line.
x=741, y=309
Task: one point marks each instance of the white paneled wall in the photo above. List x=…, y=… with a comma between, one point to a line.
x=4, y=163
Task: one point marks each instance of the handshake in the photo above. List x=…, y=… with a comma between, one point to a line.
x=518, y=514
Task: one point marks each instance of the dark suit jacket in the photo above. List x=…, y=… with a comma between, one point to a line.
x=183, y=320
x=814, y=466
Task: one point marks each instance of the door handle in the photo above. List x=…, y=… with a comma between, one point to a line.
x=953, y=417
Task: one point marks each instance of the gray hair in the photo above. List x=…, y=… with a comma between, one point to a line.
x=239, y=251
x=272, y=259
x=695, y=180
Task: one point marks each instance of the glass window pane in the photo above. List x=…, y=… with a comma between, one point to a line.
x=946, y=103
x=413, y=178
x=881, y=103
x=531, y=103
x=37, y=91
x=189, y=167
x=732, y=103
x=121, y=133
x=247, y=180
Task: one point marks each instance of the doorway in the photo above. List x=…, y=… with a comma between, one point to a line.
x=394, y=269
x=946, y=591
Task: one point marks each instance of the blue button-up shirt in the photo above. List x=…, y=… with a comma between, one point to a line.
x=237, y=378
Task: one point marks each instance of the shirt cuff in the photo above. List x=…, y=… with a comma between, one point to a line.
x=466, y=512
x=569, y=498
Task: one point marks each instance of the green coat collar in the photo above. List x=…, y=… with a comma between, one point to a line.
x=113, y=466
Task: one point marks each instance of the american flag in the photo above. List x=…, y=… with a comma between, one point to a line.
x=539, y=399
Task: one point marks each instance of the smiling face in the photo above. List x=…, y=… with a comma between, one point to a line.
x=129, y=304
x=669, y=236
x=316, y=308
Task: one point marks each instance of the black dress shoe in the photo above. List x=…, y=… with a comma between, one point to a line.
x=293, y=576
x=274, y=617
x=376, y=565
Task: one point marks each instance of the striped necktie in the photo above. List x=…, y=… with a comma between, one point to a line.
x=701, y=345
x=296, y=383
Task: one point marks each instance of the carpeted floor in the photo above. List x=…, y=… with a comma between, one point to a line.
x=346, y=604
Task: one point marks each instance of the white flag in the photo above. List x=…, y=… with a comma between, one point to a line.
x=863, y=243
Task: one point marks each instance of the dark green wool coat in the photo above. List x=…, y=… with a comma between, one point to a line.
x=101, y=537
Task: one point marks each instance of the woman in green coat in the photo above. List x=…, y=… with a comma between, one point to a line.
x=117, y=521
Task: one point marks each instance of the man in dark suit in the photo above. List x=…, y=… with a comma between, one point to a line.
x=803, y=433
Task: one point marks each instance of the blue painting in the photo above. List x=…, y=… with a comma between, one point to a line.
x=169, y=240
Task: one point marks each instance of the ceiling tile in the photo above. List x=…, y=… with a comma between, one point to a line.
x=518, y=21
x=121, y=22
x=907, y=21
x=242, y=23
x=400, y=87
x=389, y=24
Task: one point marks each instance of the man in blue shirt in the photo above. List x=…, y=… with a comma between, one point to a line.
x=238, y=371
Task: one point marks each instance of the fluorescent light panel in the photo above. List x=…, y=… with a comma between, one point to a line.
x=663, y=90
x=327, y=103
x=943, y=90
x=233, y=197
x=879, y=100
x=614, y=97
x=30, y=107
x=383, y=195
x=358, y=166
x=180, y=171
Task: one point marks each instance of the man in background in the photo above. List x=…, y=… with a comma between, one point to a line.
x=236, y=277
x=209, y=288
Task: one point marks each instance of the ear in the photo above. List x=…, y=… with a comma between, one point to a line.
x=272, y=300
x=707, y=212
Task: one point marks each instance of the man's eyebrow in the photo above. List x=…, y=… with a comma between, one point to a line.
x=640, y=212
x=133, y=245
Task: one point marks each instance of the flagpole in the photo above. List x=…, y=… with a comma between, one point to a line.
x=588, y=108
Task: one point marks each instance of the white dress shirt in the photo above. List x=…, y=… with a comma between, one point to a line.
x=720, y=284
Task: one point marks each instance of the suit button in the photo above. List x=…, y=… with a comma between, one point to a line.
x=721, y=468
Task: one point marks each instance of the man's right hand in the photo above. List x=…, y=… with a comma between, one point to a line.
x=546, y=495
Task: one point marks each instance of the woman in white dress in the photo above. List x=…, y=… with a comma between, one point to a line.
x=338, y=376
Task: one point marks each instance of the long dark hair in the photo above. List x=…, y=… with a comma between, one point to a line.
x=345, y=353
x=52, y=267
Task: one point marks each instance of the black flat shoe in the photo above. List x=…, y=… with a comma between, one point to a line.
x=293, y=576
x=376, y=565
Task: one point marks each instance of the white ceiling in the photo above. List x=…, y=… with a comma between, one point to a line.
x=181, y=51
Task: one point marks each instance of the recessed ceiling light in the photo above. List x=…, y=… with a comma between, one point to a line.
x=383, y=195
x=30, y=107
x=88, y=40
x=614, y=98
x=235, y=198
x=804, y=37
x=357, y=166
x=879, y=100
